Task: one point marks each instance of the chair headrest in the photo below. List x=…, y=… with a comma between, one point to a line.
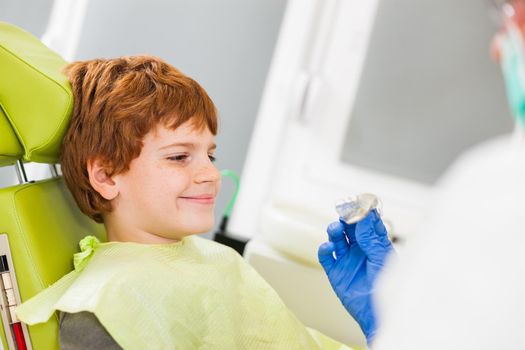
x=35, y=95
x=10, y=149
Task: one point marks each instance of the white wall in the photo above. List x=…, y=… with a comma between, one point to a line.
x=32, y=15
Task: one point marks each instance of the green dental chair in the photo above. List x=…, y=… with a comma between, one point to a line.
x=40, y=224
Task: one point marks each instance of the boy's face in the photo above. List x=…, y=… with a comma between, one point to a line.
x=169, y=191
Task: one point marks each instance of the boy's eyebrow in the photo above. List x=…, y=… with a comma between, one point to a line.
x=186, y=144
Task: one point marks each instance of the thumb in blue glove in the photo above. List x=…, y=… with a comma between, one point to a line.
x=352, y=259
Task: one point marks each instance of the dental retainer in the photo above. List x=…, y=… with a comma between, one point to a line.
x=355, y=208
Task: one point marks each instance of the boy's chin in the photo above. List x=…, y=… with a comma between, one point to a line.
x=197, y=229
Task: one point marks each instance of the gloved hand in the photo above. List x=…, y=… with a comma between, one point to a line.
x=360, y=253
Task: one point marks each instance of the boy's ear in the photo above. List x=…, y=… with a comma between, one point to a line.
x=100, y=181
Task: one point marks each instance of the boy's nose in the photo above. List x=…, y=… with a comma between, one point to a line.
x=208, y=173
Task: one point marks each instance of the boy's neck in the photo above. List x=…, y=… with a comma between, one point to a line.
x=118, y=233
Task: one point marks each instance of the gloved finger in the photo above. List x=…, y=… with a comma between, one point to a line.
x=325, y=254
x=336, y=234
x=381, y=229
x=372, y=242
x=349, y=231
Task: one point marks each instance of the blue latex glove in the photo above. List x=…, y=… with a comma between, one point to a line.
x=360, y=252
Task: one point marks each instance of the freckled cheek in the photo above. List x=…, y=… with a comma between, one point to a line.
x=175, y=186
x=148, y=187
x=161, y=184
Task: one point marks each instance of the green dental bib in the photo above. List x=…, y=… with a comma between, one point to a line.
x=194, y=294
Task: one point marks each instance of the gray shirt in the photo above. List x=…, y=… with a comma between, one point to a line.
x=83, y=331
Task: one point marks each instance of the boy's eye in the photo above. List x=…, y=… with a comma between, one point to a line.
x=179, y=157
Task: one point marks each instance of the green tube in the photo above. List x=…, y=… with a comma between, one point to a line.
x=232, y=175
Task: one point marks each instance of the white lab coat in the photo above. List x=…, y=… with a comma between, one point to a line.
x=460, y=284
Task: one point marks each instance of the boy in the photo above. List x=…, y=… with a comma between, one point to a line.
x=138, y=157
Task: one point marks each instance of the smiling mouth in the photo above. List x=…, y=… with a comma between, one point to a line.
x=206, y=199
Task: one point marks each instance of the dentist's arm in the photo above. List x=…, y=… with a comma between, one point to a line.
x=352, y=259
